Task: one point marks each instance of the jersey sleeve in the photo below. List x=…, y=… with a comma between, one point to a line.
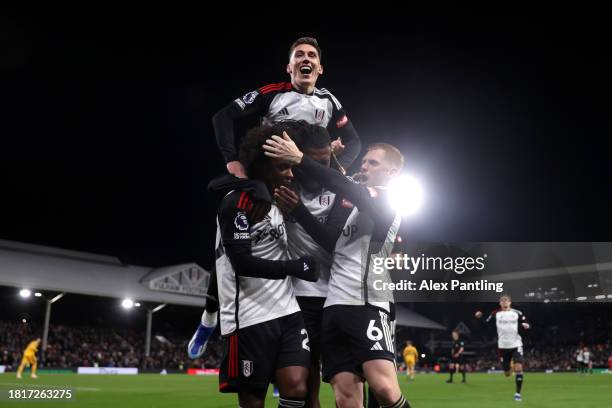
x=491, y=317
x=340, y=126
x=367, y=200
x=234, y=225
x=254, y=103
x=325, y=234
x=235, y=229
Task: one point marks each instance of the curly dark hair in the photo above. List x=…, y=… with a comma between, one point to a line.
x=251, y=152
x=311, y=136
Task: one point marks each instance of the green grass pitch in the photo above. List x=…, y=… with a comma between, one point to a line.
x=431, y=391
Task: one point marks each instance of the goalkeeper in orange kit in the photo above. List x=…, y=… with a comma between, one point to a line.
x=29, y=358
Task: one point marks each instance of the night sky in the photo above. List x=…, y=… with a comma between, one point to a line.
x=107, y=140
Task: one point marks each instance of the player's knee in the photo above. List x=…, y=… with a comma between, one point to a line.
x=386, y=393
x=518, y=368
x=251, y=401
x=294, y=386
x=346, y=394
x=345, y=399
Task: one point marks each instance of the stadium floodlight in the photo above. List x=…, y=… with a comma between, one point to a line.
x=406, y=195
x=24, y=321
x=38, y=294
x=422, y=355
x=137, y=304
x=127, y=303
x=25, y=293
x=600, y=297
x=581, y=298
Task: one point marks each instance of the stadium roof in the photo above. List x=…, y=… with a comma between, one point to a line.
x=47, y=268
x=405, y=317
x=54, y=269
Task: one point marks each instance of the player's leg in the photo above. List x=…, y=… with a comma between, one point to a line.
x=312, y=312
x=199, y=340
x=293, y=360
x=451, y=371
x=348, y=390
x=372, y=344
x=506, y=357
x=462, y=369
x=381, y=376
x=372, y=399
x=252, y=399
x=338, y=363
x=21, y=367
x=518, y=371
x=248, y=367
x=34, y=365
x=314, y=384
x=291, y=382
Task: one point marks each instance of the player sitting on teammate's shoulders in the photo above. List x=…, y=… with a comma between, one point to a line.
x=295, y=100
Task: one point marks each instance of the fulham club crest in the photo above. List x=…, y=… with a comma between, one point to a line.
x=247, y=368
x=324, y=200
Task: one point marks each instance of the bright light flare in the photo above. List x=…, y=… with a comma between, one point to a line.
x=406, y=195
x=127, y=303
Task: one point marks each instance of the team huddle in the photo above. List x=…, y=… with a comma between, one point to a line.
x=295, y=237
x=291, y=231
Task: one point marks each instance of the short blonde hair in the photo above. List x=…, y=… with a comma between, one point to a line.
x=392, y=154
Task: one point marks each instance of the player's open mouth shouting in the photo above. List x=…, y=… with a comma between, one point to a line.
x=306, y=70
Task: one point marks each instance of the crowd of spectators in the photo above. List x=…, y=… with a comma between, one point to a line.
x=76, y=346
x=79, y=346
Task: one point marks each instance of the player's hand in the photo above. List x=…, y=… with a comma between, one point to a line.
x=236, y=168
x=478, y=314
x=337, y=146
x=286, y=199
x=283, y=148
x=309, y=269
x=525, y=326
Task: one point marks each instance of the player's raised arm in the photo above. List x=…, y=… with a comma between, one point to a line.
x=254, y=103
x=341, y=127
x=524, y=324
x=284, y=148
x=490, y=318
x=325, y=234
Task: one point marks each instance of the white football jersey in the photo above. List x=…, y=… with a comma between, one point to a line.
x=301, y=244
x=507, y=323
x=351, y=274
x=245, y=301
